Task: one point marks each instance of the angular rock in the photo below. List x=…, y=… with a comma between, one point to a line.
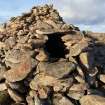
x=92, y=100
x=46, y=32
x=80, y=79
x=77, y=91
x=78, y=87
x=102, y=78
x=42, y=56
x=77, y=95
x=36, y=100
x=64, y=85
x=97, y=91
x=2, y=45
x=21, y=71
x=3, y=86
x=43, y=37
x=58, y=99
x=30, y=100
x=2, y=72
x=42, y=80
x=84, y=58
x=15, y=96
x=13, y=56
x=56, y=69
x=77, y=48
x=43, y=92
x=10, y=42
x=87, y=59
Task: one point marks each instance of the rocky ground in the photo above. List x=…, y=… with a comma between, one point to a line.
x=44, y=61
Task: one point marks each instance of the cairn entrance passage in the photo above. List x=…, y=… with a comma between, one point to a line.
x=55, y=46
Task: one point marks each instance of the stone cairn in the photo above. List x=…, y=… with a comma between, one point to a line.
x=44, y=61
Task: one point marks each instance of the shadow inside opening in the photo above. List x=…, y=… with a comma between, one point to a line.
x=55, y=46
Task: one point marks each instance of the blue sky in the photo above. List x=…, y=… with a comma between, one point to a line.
x=87, y=14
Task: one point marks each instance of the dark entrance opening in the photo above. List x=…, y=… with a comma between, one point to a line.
x=55, y=46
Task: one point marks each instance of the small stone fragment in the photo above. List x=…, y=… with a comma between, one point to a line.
x=63, y=85
x=3, y=86
x=78, y=87
x=46, y=32
x=2, y=27
x=102, y=78
x=71, y=38
x=30, y=100
x=2, y=45
x=43, y=37
x=2, y=72
x=42, y=56
x=10, y=42
x=80, y=79
x=86, y=59
x=43, y=92
x=76, y=94
x=35, y=97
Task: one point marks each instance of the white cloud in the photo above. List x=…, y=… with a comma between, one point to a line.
x=83, y=13
x=87, y=13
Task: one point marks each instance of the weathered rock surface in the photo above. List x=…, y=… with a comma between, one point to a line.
x=77, y=91
x=56, y=69
x=92, y=100
x=21, y=71
x=58, y=99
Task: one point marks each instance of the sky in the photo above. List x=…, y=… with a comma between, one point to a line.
x=86, y=14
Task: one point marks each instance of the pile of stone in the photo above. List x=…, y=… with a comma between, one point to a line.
x=44, y=61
